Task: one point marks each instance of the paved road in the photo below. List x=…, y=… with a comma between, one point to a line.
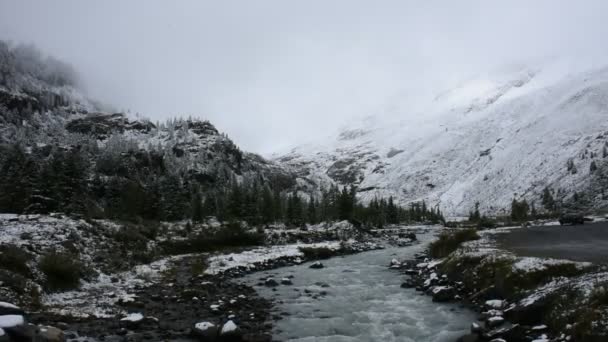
x=587, y=242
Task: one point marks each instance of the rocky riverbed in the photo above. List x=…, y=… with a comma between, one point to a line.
x=183, y=298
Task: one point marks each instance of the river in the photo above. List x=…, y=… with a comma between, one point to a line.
x=363, y=302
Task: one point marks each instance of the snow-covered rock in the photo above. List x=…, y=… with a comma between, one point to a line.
x=230, y=330
x=10, y=309
x=495, y=321
x=443, y=293
x=495, y=304
x=133, y=317
x=205, y=331
x=9, y=321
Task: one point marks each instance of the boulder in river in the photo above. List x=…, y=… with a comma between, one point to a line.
x=270, y=282
x=443, y=293
x=316, y=265
x=409, y=284
x=495, y=321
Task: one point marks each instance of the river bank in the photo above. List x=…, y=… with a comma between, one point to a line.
x=183, y=297
x=517, y=298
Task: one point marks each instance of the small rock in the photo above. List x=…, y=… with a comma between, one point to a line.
x=132, y=320
x=495, y=304
x=316, y=265
x=49, y=334
x=270, y=282
x=286, y=281
x=443, y=294
x=495, y=321
x=205, y=331
x=230, y=332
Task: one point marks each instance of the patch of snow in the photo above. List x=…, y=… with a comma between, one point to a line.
x=204, y=326
x=8, y=305
x=91, y=298
x=133, y=317
x=531, y=264
x=248, y=259
x=9, y=321
x=542, y=338
x=495, y=303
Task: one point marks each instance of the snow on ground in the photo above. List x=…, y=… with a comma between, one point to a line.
x=585, y=284
x=98, y=298
x=9, y=321
x=514, y=136
x=486, y=247
x=222, y=263
x=532, y=264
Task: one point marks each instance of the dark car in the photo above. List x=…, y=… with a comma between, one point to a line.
x=571, y=218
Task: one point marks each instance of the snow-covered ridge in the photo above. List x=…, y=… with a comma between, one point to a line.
x=488, y=140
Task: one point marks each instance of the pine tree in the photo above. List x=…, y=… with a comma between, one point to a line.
x=17, y=173
x=519, y=210
x=346, y=204
x=268, y=206
x=547, y=200
x=235, y=201
x=592, y=167
x=391, y=212
x=475, y=215
x=197, y=206
x=311, y=211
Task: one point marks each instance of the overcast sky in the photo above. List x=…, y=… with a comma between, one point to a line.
x=277, y=73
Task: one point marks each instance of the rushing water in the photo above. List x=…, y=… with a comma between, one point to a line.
x=364, y=302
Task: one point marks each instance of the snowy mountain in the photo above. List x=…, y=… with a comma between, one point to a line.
x=52, y=134
x=493, y=138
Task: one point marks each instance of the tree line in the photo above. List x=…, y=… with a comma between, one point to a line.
x=142, y=186
x=260, y=204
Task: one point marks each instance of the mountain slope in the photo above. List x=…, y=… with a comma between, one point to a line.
x=490, y=140
x=61, y=151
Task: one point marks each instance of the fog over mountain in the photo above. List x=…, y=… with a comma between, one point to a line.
x=275, y=75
